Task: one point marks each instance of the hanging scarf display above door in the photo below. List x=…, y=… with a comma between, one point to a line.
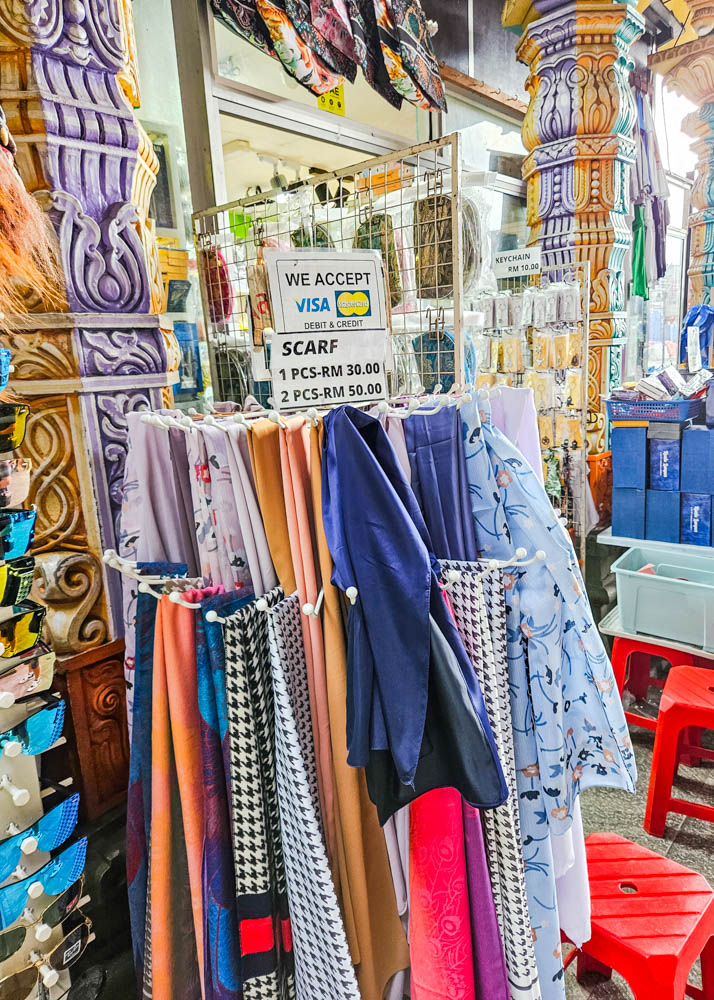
x=321, y=43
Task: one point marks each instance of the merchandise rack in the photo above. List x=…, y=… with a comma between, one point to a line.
x=329, y=210
x=571, y=502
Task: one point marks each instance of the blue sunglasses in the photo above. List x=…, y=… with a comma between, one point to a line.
x=35, y=734
x=52, y=879
x=47, y=834
x=17, y=532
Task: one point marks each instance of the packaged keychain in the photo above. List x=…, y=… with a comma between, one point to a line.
x=539, y=307
x=512, y=351
x=551, y=305
x=573, y=388
x=545, y=429
x=501, y=312
x=542, y=349
x=516, y=312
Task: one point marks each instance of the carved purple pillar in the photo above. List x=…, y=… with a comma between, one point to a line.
x=82, y=370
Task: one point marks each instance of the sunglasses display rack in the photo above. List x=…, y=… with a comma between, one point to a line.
x=42, y=929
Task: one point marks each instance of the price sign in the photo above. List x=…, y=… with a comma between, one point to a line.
x=327, y=369
x=331, y=337
x=514, y=263
x=333, y=100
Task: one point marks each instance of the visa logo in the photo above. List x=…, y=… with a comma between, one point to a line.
x=312, y=305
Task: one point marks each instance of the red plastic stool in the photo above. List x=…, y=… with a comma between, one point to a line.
x=636, y=653
x=687, y=706
x=651, y=920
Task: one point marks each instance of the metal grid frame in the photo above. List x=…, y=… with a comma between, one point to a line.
x=567, y=503
x=407, y=203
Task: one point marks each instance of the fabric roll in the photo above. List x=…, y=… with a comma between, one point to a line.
x=362, y=875
x=175, y=968
x=154, y=526
x=436, y=455
x=264, y=447
x=323, y=966
x=441, y=950
x=513, y=412
x=224, y=511
x=475, y=593
x=215, y=561
x=260, y=565
x=138, y=810
x=294, y=443
x=261, y=891
x=572, y=885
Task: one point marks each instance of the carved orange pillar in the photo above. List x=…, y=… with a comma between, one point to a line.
x=578, y=133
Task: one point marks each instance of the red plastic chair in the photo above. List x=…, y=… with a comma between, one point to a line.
x=686, y=708
x=631, y=664
x=651, y=920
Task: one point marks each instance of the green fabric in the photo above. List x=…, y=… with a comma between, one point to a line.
x=639, y=268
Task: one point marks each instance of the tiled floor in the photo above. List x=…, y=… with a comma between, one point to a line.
x=688, y=841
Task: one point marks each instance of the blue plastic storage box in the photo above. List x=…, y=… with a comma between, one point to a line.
x=677, y=603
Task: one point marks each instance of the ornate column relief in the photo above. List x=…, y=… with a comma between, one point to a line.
x=577, y=131
x=689, y=70
x=67, y=75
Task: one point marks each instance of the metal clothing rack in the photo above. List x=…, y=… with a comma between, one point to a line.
x=407, y=203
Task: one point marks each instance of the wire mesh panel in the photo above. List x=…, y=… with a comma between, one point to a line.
x=407, y=205
x=535, y=334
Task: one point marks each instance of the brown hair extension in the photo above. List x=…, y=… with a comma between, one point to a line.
x=30, y=273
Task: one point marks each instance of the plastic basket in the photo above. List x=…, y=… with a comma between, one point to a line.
x=652, y=409
x=677, y=603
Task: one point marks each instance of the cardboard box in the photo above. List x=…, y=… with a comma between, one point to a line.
x=696, y=524
x=628, y=513
x=629, y=458
x=697, y=474
x=664, y=464
x=663, y=515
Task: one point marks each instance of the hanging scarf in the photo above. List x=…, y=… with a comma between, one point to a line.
x=295, y=55
x=261, y=891
x=242, y=18
x=417, y=51
x=487, y=649
x=389, y=42
x=331, y=18
x=369, y=51
x=323, y=966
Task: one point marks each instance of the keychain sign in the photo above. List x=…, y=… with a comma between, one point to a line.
x=330, y=341
x=514, y=263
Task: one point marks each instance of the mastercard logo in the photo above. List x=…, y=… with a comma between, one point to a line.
x=353, y=303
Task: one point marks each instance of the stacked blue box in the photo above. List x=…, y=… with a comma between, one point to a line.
x=696, y=526
x=628, y=512
x=664, y=464
x=663, y=515
x=629, y=457
x=698, y=460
